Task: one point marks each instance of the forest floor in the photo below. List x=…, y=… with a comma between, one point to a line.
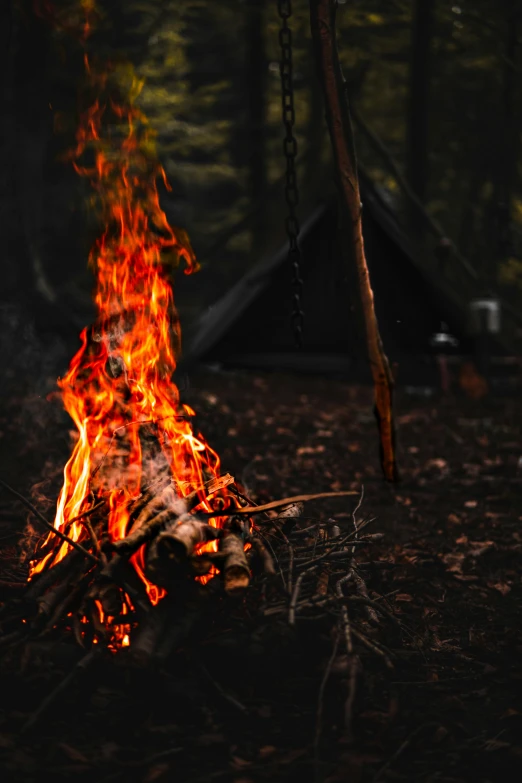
x=448, y=568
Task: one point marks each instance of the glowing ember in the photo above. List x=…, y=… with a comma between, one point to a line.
x=119, y=389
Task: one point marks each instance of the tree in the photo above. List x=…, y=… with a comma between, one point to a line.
x=419, y=107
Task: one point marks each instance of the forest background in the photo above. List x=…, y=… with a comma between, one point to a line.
x=438, y=83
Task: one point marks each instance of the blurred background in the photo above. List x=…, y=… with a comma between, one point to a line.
x=435, y=89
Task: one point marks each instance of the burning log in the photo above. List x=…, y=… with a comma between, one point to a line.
x=236, y=573
x=148, y=529
x=174, y=546
x=164, y=510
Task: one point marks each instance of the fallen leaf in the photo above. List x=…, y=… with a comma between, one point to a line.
x=403, y=597
x=495, y=744
x=478, y=548
x=267, y=750
x=510, y=713
x=72, y=753
x=454, y=561
x=310, y=450
x=502, y=587
x=439, y=463
x=471, y=504
x=238, y=763
x=155, y=773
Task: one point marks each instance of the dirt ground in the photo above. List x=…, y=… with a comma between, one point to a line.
x=448, y=568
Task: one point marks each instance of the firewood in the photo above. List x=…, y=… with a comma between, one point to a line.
x=146, y=531
x=289, y=516
x=250, y=510
x=264, y=556
x=180, y=538
x=235, y=568
x=120, y=572
x=200, y=565
x=211, y=486
x=151, y=519
x=174, y=545
x=55, y=574
x=110, y=598
x=47, y=524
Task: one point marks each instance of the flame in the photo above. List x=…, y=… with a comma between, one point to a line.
x=120, y=380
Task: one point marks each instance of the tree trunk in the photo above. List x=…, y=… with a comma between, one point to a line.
x=314, y=134
x=256, y=74
x=417, y=167
x=508, y=139
x=12, y=274
x=322, y=18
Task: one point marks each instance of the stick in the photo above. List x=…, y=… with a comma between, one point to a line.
x=264, y=556
x=295, y=594
x=222, y=692
x=373, y=647
x=320, y=696
x=86, y=513
x=322, y=20
x=48, y=525
x=249, y=510
x=400, y=750
x=83, y=664
x=145, y=532
x=235, y=568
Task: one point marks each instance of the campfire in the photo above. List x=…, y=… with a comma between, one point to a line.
x=149, y=535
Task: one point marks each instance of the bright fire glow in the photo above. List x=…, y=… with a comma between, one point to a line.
x=120, y=380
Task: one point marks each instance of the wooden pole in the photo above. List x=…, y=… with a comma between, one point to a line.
x=322, y=20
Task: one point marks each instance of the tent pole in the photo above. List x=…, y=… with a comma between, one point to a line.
x=322, y=21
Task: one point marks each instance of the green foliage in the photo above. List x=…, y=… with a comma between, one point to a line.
x=192, y=55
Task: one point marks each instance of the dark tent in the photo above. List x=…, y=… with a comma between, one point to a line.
x=250, y=325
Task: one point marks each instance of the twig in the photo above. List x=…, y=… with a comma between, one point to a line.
x=48, y=525
x=400, y=750
x=373, y=647
x=344, y=613
x=320, y=695
x=222, y=692
x=290, y=568
x=360, y=586
x=375, y=605
x=355, y=667
x=356, y=509
x=264, y=555
x=276, y=559
x=86, y=513
x=249, y=510
x=82, y=664
x=96, y=543
x=295, y=594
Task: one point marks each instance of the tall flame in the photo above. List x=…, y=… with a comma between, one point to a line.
x=120, y=380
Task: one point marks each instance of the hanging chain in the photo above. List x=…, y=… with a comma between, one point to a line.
x=284, y=8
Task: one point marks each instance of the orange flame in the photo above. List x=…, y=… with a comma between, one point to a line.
x=121, y=377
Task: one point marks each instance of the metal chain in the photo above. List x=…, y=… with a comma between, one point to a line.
x=284, y=8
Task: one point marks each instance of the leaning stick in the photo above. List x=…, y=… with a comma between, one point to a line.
x=322, y=20
x=48, y=525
